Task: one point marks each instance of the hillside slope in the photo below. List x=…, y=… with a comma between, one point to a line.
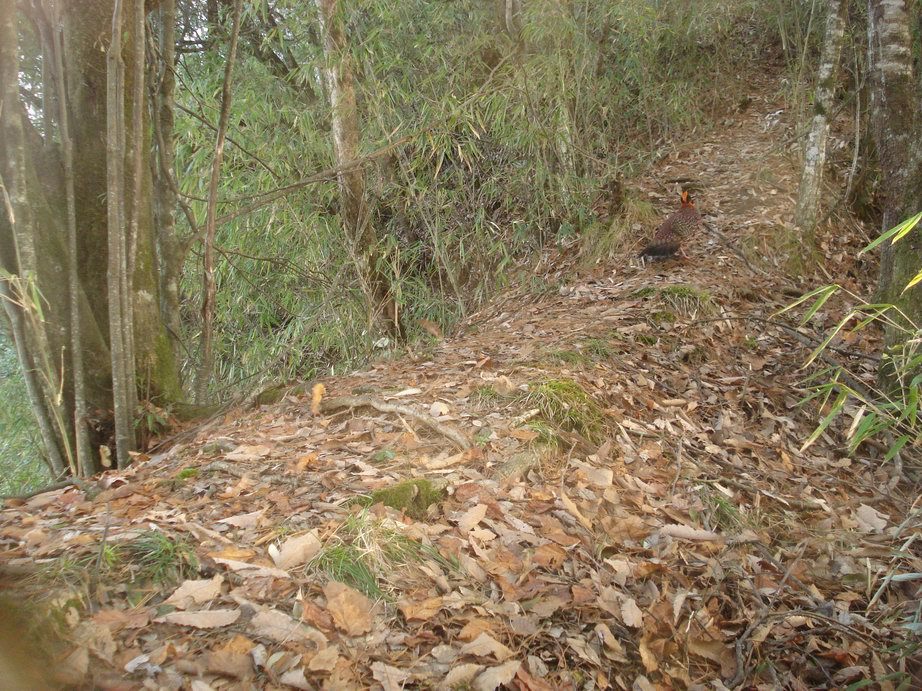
x=624, y=505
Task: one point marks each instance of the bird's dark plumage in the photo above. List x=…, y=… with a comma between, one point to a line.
x=669, y=236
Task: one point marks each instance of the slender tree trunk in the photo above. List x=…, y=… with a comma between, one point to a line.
x=117, y=265
x=19, y=256
x=166, y=189
x=138, y=200
x=56, y=53
x=811, y=180
x=208, y=288
x=346, y=135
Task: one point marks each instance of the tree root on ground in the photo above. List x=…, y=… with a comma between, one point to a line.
x=330, y=404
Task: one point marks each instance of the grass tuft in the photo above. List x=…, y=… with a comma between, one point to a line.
x=563, y=402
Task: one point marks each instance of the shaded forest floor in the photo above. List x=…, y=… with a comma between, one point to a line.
x=664, y=532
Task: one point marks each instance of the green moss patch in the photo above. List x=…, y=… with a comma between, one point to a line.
x=413, y=497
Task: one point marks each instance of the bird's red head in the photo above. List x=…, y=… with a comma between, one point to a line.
x=687, y=200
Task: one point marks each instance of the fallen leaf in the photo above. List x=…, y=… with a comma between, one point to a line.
x=494, y=677
x=472, y=517
x=715, y=651
x=229, y=663
x=295, y=679
x=206, y=619
x=244, y=520
x=420, y=611
x=461, y=675
x=391, y=678
x=195, y=592
x=485, y=645
x=684, y=532
x=572, y=508
x=325, y=660
x=351, y=611
x=438, y=409
x=248, y=452
x=631, y=614
x=279, y=627
x=295, y=551
x=870, y=519
x=317, y=392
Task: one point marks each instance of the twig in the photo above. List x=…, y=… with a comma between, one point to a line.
x=330, y=404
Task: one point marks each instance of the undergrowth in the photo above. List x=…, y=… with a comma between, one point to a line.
x=508, y=134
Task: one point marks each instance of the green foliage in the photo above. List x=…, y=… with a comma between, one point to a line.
x=505, y=142
x=159, y=558
x=367, y=554
x=890, y=415
x=21, y=468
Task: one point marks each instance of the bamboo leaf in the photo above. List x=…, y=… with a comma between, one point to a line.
x=897, y=232
x=836, y=410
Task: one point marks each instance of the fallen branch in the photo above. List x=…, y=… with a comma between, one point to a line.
x=330, y=404
x=41, y=490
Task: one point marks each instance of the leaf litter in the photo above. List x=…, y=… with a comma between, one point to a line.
x=678, y=537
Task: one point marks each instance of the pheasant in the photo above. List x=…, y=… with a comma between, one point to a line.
x=669, y=236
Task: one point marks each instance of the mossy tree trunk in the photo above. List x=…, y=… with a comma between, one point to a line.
x=895, y=129
x=38, y=253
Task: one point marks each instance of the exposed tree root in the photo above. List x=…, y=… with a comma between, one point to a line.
x=330, y=404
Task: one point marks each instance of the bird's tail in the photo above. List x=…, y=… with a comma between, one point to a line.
x=658, y=250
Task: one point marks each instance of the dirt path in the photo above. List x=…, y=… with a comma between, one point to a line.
x=672, y=536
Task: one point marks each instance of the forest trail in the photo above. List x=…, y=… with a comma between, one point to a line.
x=675, y=536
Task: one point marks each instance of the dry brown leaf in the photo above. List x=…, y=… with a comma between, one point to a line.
x=572, y=508
x=494, y=677
x=485, y=645
x=631, y=614
x=279, y=627
x=870, y=519
x=472, y=517
x=296, y=679
x=252, y=570
x=317, y=392
x=685, y=532
x=244, y=520
x=229, y=663
x=325, y=660
x=206, y=619
x=585, y=651
x=420, y=611
x=391, y=678
x=647, y=656
x=461, y=675
x=248, y=452
x=351, y=611
x=715, y=651
x=195, y=592
x=295, y=551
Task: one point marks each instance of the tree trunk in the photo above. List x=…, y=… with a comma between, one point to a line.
x=166, y=189
x=21, y=260
x=41, y=256
x=811, y=180
x=894, y=125
x=346, y=135
x=55, y=55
